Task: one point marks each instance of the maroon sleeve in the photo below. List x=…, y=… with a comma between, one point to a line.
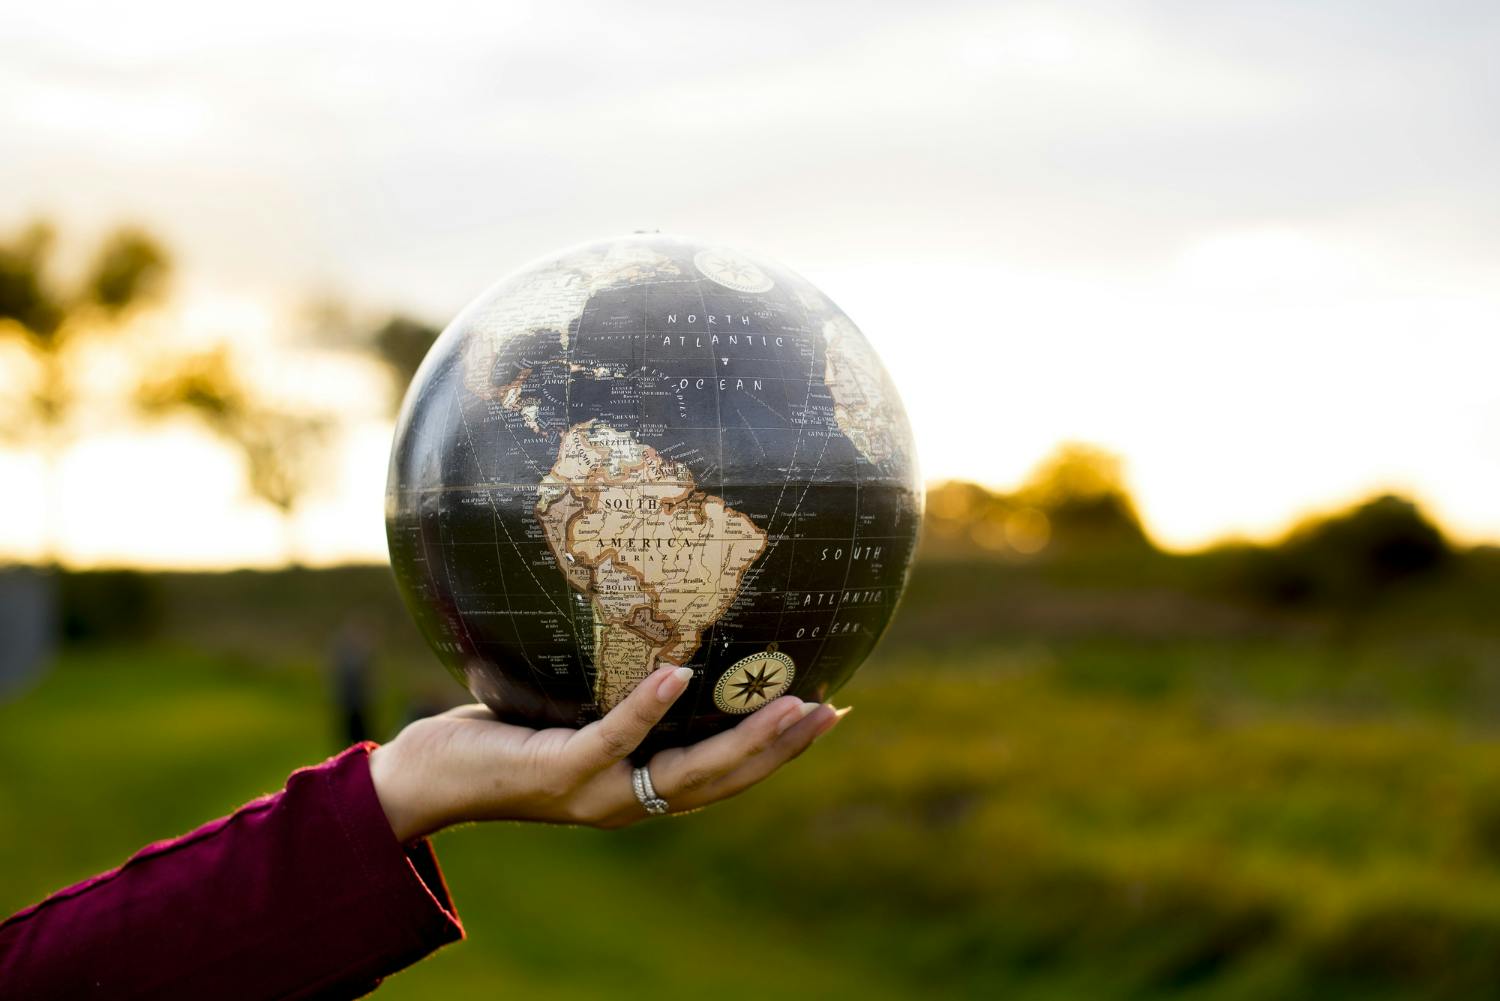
x=302, y=894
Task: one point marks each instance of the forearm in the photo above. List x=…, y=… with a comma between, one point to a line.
x=304, y=893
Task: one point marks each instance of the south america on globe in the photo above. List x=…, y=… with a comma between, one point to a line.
x=649, y=451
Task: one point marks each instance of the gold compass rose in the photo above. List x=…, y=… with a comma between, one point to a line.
x=753, y=681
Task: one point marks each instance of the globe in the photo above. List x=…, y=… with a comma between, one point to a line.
x=651, y=451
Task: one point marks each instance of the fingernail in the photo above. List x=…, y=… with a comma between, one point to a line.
x=674, y=684
x=794, y=715
x=832, y=721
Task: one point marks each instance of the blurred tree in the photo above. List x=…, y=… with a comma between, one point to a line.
x=49, y=320
x=962, y=516
x=282, y=449
x=397, y=341
x=402, y=342
x=1081, y=490
x=955, y=506
x=1347, y=560
x=1076, y=499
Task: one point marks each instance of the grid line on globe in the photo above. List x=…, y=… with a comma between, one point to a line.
x=650, y=451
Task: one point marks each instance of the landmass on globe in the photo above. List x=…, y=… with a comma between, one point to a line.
x=660, y=559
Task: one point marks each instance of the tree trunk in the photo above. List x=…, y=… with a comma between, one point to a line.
x=51, y=527
x=289, y=541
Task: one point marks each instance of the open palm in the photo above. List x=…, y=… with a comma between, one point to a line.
x=467, y=765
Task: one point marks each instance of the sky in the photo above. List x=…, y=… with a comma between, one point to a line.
x=1254, y=248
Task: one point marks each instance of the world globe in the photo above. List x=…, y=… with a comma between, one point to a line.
x=651, y=451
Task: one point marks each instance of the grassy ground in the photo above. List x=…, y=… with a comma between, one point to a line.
x=1051, y=787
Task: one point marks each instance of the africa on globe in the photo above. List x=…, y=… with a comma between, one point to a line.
x=649, y=451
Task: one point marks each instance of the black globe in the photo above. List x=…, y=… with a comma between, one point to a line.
x=651, y=451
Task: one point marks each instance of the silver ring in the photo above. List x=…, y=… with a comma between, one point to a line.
x=645, y=792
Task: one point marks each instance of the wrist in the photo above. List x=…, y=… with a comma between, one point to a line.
x=404, y=796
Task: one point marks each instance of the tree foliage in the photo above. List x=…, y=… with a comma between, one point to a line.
x=26, y=296
x=283, y=449
x=49, y=318
x=1076, y=499
x=1348, y=559
x=128, y=268
x=401, y=343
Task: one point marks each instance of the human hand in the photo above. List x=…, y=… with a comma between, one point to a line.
x=466, y=765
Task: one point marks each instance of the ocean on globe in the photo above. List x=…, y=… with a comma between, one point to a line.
x=650, y=451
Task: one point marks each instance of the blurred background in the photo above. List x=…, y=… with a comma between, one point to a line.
x=1196, y=309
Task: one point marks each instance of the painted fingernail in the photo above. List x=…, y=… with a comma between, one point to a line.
x=794, y=715
x=674, y=684
x=841, y=713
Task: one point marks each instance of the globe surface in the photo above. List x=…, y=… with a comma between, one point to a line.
x=650, y=451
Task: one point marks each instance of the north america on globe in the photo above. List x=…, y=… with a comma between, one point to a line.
x=643, y=452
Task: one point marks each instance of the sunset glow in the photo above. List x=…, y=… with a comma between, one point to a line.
x=1272, y=292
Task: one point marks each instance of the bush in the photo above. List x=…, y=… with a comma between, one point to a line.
x=1348, y=560
x=109, y=605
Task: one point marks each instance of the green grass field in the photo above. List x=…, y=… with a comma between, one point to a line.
x=1050, y=788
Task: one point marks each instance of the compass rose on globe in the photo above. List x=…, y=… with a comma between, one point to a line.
x=731, y=270
x=754, y=681
x=650, y=451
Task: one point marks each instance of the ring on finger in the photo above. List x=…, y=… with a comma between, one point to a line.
x=645, y=792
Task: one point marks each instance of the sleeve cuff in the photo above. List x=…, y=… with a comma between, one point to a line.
x=408, y=876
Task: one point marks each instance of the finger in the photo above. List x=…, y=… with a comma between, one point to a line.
x=611, y=739
x=759, y=767
x=684, y=770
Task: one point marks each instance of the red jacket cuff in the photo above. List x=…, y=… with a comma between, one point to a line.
x=407, y=911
